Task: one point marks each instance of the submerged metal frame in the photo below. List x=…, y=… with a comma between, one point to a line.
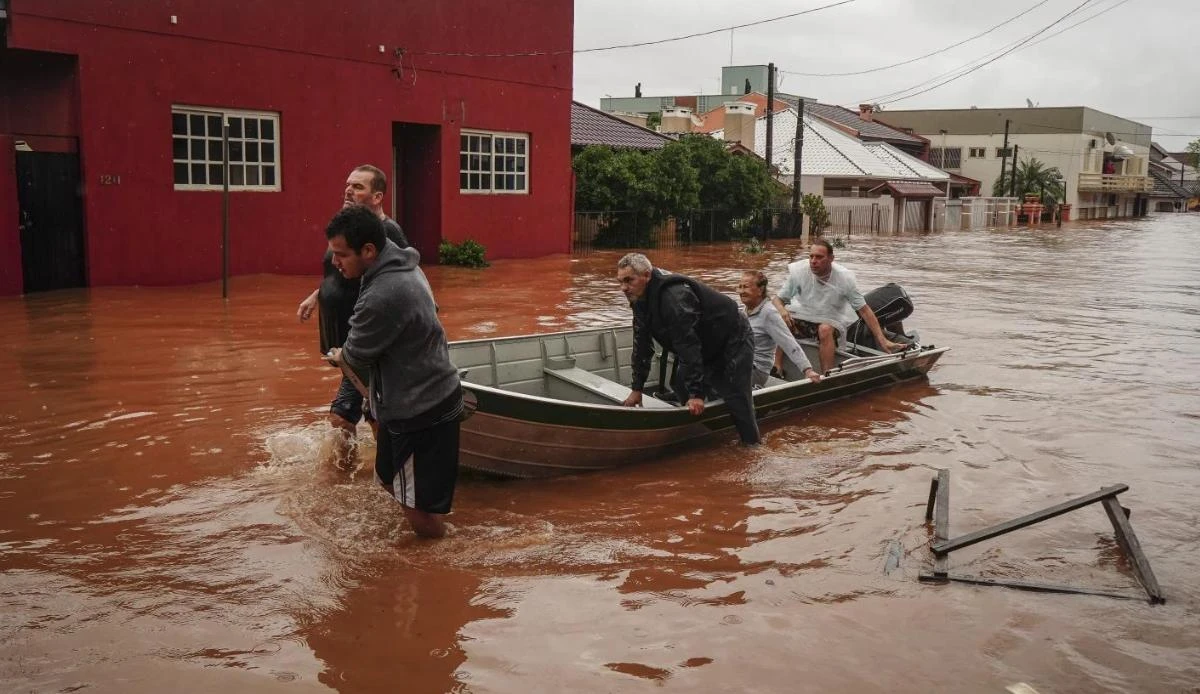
x=937, y=509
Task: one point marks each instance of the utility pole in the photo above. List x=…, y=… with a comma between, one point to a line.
x=797, y=218
x=1004, y=151
x=224, y=206
x=946, y=205
x=1014, y=170
x=770, y=115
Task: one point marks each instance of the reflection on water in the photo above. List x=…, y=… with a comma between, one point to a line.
x=170, y=519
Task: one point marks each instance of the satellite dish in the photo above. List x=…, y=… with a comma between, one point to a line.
x=1029, y=103
x=1110, y=138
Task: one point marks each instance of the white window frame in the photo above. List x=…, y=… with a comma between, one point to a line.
x=971, y=152
x=240, y=140
x=474, y=161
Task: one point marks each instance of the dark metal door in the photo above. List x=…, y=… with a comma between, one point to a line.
x=51, y=221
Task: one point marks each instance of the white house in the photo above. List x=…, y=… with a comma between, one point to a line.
x=1104, y=159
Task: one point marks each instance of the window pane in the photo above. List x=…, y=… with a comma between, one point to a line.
x=214, y=126
x=181, y=174
x=252, y=127
x=464, y=143
x=521, y=182
x=178, y=124
x=521, y=165
x=236, y=175
x=474, y=184
x=463, y=181
x=252, y=151
x=268, y=151
x=198, y=150
x=268, y=129
x=235, y=151
x=235, y=127
x=214, y=150
x=198, y=174
x=215, y=174
x=268, y=174
x=197, y=124
x=251, y=175
x=179, y=148
x=521, y=146
x=510, y=182
x=462, y=162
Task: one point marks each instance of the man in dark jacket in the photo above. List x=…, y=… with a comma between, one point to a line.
x=711, y=340
x=414, y=390
x=337, y=295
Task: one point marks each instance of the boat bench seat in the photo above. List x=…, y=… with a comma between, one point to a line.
x=599, y=385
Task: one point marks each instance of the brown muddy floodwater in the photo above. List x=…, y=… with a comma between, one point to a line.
x=169, y=520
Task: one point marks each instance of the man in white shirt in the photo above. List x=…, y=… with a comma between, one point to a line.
x=822, y=298
x=770, y=332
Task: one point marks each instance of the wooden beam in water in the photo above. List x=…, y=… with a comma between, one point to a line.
x=929, y=505
x=1133, y=549
x=941, y=522
x=1024, y=585
x=944, y=547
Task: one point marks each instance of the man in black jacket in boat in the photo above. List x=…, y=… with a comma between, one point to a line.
x=711, y=340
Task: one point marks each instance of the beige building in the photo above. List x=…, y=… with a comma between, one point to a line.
x=1104, y=159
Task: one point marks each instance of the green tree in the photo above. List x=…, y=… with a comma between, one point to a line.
x=732, y=187
x=635, y=190
x=1193, y=149
x=639, y=190
x=1033, y=178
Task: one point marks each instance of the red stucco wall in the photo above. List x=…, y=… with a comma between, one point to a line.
x=338, y=97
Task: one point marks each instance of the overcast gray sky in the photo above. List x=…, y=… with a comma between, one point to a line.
x=1139, y=60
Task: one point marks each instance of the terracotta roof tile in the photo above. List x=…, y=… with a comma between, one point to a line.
x=714, y=119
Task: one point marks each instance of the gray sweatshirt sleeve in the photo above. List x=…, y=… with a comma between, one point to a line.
x=783, y=338
x=371, y=333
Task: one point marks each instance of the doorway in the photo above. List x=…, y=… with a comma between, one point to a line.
x=50, y=220
x=417, y=185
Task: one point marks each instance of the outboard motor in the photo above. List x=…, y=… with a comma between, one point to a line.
x=891, y=305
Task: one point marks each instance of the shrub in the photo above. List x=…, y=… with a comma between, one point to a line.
x=469, y=253
x=813, y=207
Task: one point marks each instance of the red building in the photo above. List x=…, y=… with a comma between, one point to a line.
x=111, y=113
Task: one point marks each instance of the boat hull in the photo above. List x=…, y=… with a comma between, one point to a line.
x=515, y=434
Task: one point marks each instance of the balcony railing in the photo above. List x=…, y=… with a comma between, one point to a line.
x=1113, y=183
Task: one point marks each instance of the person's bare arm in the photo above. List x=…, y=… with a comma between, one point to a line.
x=305, y=311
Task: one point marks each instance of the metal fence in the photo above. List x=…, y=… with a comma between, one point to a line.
x=596, y=230
x=863, y=218
x=979, y=213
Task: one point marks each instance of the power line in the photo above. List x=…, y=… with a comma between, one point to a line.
x=638, y=44
x=1086, y=19
x=987, y=62
x=920, y=57
x=970, y=66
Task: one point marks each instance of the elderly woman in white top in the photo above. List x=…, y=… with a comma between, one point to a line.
x=769, y=330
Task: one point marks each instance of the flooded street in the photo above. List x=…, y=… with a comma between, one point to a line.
x=169, y=519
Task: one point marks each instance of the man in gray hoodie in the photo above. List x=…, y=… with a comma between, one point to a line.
x=415, y=394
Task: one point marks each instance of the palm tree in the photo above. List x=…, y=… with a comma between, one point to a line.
x=1033, y=178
